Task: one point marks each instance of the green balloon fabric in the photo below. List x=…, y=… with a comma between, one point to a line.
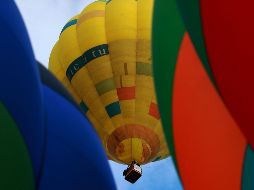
x=167, y=34
x=248, y=172
x=16, y=169
x=191, y=15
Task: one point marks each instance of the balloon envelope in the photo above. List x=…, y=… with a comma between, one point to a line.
x=105, y=63
x=206, y=143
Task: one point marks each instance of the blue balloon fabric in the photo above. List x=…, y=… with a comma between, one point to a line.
x=20, y=89
x=65, y=151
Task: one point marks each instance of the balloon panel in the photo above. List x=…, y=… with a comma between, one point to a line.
x=15, y=158
x=209, y=145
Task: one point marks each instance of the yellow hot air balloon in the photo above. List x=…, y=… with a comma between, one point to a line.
x=103, y=57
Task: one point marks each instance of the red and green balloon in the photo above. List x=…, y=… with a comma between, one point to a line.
x=202, y=53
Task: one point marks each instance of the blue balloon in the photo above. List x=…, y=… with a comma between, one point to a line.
x=65, y=150
x=20, y=89
x=74, y=157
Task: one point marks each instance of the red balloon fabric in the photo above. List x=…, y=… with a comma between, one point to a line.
x=229, y=37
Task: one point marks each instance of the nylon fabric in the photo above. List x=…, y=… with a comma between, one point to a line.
x=114, y=83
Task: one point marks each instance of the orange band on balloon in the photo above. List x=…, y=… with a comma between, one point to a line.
x=89, y=15
x=134, y=131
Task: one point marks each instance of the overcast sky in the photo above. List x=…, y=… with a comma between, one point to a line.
x=44, y=20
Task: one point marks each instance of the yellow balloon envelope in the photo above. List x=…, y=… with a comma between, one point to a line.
x=103, y=57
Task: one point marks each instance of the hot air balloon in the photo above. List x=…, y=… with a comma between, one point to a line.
x=209, y=150
x=103, y=57
x=42, y=148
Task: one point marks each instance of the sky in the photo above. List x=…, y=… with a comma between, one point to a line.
x=44, y=20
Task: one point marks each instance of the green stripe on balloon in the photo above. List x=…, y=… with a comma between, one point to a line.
x=248, y=170
x=15, y=165
x=84, y=107
x=144, y=69
x=190, y=12
x=113, y=109
x=84, y=59
x=105, y=86
x=168, y=31
x=69, y=24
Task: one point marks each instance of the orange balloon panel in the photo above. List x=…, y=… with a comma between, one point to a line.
x=209, y=146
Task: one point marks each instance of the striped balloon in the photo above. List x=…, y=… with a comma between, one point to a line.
x=206, y=143
x=103, y=57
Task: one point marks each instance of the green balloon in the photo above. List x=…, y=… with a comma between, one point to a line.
x=15, y=165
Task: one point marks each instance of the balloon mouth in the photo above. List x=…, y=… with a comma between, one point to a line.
x=133, y=149
x=149, y=144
